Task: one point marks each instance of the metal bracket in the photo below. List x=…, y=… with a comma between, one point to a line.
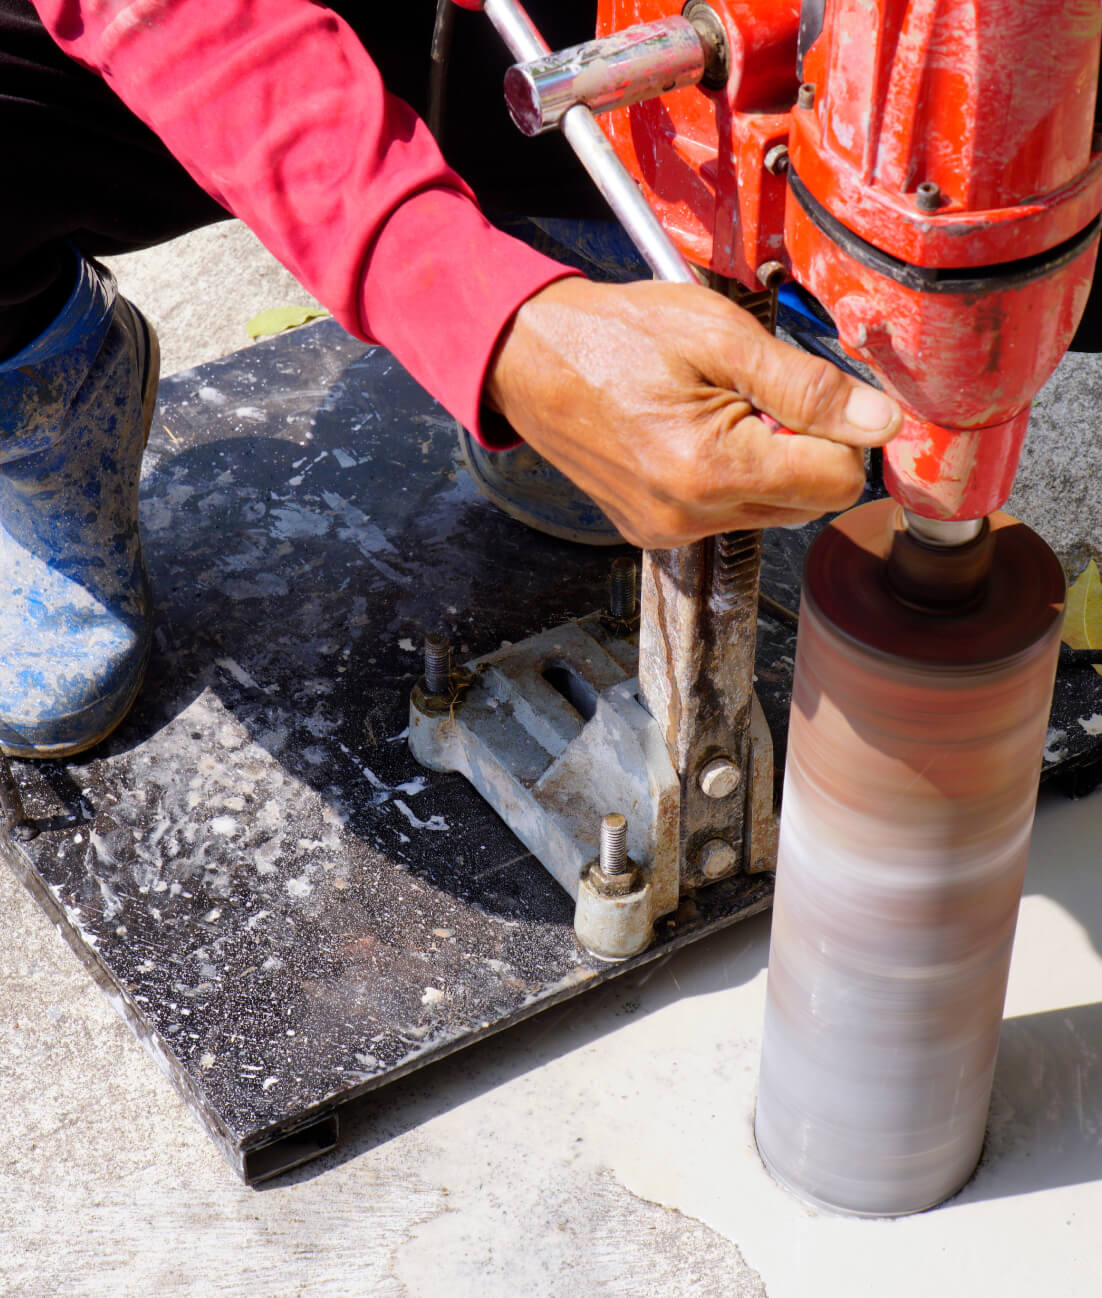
x=552, y=733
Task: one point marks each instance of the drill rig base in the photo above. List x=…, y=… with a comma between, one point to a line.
x=552, y=733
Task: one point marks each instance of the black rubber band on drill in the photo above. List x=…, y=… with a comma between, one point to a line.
x=933, y=279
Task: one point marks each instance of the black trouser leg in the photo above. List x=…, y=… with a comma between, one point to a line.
x=79, y=167
x=509, y=173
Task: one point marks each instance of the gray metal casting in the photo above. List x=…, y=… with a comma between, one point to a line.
x=552, y=733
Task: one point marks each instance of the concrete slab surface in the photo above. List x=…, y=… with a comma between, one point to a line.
x=603, y=1148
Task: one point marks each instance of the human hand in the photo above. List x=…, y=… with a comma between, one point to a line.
x=646, y=394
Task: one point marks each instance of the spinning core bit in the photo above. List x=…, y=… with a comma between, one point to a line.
x=923, y=681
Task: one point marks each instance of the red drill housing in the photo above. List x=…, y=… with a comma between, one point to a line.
x=940, y=196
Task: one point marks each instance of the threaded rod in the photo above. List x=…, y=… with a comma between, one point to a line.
x=621, y=589
x=438, y=663
x=614, y=845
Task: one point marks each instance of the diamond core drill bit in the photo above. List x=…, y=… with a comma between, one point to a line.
x=923, y=682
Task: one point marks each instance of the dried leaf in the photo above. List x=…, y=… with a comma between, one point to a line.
x=1083, y=611
x=281, y=318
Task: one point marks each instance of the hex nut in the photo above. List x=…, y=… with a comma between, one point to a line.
x=612, y=885
x=718, y=858
x=720, y=778
x=776, y=159
x=771, y=274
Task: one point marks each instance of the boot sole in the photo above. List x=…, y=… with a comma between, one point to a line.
x=534, y=507
x=44, y=752
x=152, y=377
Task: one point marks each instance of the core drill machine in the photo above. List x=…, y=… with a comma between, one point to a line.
x=929, y=171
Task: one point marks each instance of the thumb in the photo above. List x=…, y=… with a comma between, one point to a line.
x=806, y=393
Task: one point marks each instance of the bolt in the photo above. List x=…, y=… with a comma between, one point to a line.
x=438, y=663
x=771, y=274
x=614, y=846
x=806, y=96
x=621, y=589
x=928, y=196
x=720, y=778
x=713, y=40
x=776, y=159
x=614, y=875
x=717, y=858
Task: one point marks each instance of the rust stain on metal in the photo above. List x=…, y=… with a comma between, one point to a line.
x=696, y=671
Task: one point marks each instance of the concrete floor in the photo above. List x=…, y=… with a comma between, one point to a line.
x=603, y=1148
x=200, y=292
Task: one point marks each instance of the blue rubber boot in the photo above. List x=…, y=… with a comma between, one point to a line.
x=75, y=604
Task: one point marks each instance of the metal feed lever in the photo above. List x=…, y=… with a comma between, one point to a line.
x=625, y=68
x=587, y=139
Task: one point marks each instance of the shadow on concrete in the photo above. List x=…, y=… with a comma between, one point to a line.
x=1045, y=1125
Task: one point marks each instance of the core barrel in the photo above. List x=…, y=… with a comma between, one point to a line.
x=914, y=753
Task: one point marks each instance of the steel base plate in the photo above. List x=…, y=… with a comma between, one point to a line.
x=288, y=910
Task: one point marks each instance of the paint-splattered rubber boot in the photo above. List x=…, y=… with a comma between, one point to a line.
x=75, y=605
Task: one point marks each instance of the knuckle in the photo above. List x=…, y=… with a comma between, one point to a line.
x=851, y=483
x=818, y=388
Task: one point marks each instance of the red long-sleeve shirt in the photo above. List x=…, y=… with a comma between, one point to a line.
x=276, y=109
